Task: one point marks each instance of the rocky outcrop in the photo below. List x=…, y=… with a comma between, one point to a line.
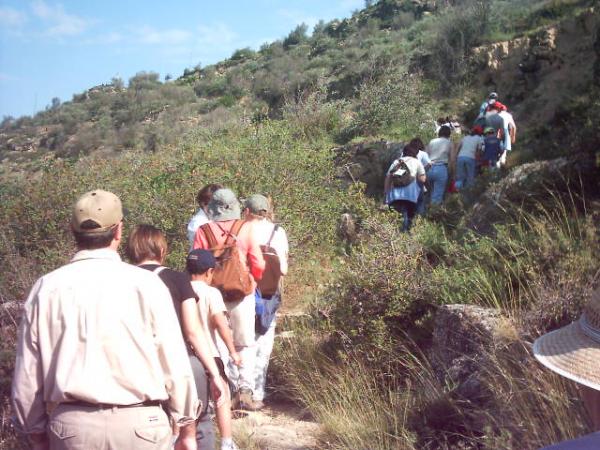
x=366, y=162
x=530, y=185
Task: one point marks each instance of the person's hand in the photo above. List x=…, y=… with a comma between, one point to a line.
x=187, y=438
x=217, y=390
x=236, y=358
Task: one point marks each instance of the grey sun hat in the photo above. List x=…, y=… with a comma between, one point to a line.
x=224, y=206
x=257, y=203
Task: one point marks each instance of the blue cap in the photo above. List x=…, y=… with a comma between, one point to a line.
x=199, y=261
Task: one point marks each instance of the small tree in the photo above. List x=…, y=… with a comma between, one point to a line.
x=297, y=36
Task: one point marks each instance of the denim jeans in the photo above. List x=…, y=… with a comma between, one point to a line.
x=465, y=171
x=438, y=179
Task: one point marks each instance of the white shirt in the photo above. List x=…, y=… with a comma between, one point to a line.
x=199, y=219
x=439, y=150
x=469, y=146
x=262, y=229
x=210, y=302
x=415, y=166
x=101, y=331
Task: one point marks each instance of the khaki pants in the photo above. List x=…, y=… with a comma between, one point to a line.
x=88, y=428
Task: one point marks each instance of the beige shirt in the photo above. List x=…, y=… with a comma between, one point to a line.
x=101, y=331
x=210, y=302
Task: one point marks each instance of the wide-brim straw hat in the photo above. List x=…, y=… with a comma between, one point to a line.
x=574, y=351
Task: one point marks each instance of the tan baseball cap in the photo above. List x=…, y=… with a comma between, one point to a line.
x=101, y=210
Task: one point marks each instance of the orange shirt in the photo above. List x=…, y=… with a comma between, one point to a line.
x=246, y=241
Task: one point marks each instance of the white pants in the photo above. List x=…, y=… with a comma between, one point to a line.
x=264, y=347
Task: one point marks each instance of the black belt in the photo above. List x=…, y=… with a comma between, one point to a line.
x=110, y=406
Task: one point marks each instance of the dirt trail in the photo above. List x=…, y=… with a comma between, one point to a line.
x=279, y=426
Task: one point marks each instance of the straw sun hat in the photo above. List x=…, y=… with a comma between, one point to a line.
x=574, y=351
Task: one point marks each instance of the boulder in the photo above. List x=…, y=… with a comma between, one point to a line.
x=366, y=162
x=530, y=185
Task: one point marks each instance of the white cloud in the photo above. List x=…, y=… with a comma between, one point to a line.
x=112, y=37
x=11, y=17
x=59, y=21
x=174, y=36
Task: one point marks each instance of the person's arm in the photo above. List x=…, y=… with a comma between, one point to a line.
x=27, y=386
x=387, y=186
x=194, y=334
x=220, y=323
x=200, y=240
x=255, y=258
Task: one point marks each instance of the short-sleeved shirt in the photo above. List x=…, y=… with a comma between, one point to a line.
x=439, y=149
x=178, y=283
x=210, y=302
x=263, y=229
x=495, y=121
x=410, y=192
x=470, y=145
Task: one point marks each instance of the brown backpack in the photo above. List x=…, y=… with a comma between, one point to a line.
x=268, y=285
x=231, y=275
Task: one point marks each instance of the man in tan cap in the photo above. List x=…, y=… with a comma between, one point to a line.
x=100, y=362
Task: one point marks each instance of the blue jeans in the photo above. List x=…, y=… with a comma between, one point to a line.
x=438, y=179
x=465, y=171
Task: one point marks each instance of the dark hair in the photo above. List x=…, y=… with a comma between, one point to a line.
x=205, y=194
x=146, y=242
x=445, y=132
x=410, y=150
x=417, y=143
x=89, y=241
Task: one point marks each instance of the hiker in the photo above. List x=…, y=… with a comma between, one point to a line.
x=100, y=360
x=509, y=132
x=492, y=98
x=439, y=150
x=492, y=149
x=200, y=265
x=466, y=162
x=147, y=248
x=200, y=218
x=227, y=235
x=573, y=352
x=423, y=157
x=274, y=244
x=402, y=189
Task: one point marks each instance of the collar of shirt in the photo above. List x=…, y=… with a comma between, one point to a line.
x=100, y=253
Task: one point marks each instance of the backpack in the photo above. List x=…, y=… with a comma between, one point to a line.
x=401, y=175
x=231, y=275
x=269, y=283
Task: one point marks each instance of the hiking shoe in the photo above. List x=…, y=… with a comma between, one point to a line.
x=245, y=400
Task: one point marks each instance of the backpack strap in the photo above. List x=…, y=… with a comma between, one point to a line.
x=210, y=236
x=275, y=228
x=158, y=270
x=233, y=231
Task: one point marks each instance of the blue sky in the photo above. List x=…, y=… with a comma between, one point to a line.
x=59, y=48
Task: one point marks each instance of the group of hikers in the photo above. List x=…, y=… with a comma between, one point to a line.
x=422, y=173
x=113, y=355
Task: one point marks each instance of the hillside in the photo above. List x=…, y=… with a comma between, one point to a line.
x=409, y=341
